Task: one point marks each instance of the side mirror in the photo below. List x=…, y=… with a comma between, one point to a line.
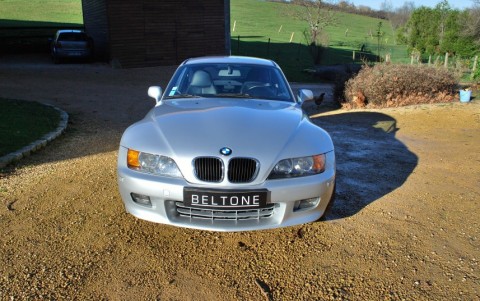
x=155, y=92
x=304, y=95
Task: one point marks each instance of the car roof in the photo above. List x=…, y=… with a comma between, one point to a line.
x=230, y=59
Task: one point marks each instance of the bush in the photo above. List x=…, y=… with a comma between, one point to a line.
x=389, y=85
x=342, y=76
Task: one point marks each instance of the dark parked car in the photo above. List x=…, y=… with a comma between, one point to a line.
x=71, y=44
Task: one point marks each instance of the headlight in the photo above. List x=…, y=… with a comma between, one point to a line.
x=299, y=167
x=154, y=164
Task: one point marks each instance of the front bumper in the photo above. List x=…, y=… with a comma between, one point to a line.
x=166, y=196
x=72, y=53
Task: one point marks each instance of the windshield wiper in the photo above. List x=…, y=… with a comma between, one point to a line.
x=232, y=95
x=183, y=96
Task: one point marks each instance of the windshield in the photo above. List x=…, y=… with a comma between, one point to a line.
x=73, y=36
x=229, y=80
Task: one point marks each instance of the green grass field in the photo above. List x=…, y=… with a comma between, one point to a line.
x=26, y=25
x=255, y=22
x=46, y=13
x=22, y=122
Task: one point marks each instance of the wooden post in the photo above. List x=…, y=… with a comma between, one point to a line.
x=411, y=59
x=353, y=56
x=446, y=60
x=475, y=61
x=268, y=47
x=429, y=59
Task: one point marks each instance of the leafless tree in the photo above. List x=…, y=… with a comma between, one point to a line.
x=316, y=14
x=399, y=16
x=472, y=24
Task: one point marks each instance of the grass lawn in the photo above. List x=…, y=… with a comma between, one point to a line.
x=47, y=12
x=22, y=122
x=26, y=25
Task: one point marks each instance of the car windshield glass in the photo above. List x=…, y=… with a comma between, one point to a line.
x=72, y=36
x=229, y=80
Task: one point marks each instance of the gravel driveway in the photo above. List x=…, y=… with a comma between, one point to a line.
x=405, y=225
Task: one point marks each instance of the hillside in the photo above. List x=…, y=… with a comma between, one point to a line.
x=258, y=21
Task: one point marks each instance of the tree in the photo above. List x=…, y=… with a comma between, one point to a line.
x=441, y=30
x=443, y=10
x=422, y=30
x=471, y=25
x=318, y=17
x=400, y=16
x=315, y=14
x=454, y=41
x=379, y=35
x=386, y=6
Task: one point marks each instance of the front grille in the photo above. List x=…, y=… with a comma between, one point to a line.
x=242, y=170
x=216, y=214
x=209, y=169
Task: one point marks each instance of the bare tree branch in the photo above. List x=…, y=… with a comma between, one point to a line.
x=316, y=14
x=472, y=24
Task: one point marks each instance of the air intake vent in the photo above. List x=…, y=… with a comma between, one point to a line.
x=242, y=170
x=230, y=215
x=209, y=169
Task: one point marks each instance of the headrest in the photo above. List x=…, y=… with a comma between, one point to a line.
x=201, y=79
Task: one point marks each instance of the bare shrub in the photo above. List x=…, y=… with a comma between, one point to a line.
x=388, y=85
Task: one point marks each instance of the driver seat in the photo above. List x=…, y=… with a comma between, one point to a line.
x=257, y=77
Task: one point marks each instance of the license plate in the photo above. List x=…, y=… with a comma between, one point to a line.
x=225, y=199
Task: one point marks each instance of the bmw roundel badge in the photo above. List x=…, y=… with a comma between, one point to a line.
x=225, y=151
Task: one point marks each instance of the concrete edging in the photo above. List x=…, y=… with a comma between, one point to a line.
x=38, y=144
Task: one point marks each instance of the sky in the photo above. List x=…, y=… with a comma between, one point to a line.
x=375, y=4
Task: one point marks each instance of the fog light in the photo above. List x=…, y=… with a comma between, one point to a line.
x=141, y=199
x=306, y=204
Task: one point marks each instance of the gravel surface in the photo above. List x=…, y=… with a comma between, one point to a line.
x=404, y=226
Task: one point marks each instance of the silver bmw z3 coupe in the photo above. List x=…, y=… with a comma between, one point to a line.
x=227, y=147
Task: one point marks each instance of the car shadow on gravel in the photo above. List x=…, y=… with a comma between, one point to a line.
x=371, y=161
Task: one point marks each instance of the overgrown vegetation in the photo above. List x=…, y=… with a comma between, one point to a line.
x=22, y=122
x=392, y=85
x=440, y=30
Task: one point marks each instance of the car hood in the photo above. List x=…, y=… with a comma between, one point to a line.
x=265, y=130
x=246, y=126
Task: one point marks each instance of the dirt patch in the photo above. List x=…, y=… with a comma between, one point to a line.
x=404, y=225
